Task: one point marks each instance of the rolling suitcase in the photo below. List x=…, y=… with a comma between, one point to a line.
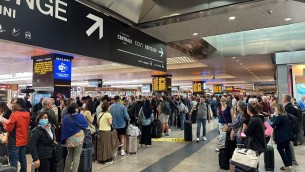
x=156, y=128
x=188, y=132
x=224, y=162
x=132, y=144
x=85, y=163
x=59, y=166
x=269, y=159
x=178, y=121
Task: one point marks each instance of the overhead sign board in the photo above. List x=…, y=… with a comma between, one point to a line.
x=161, y=83
x=198, y=86
x=229, y=88
x=3, y=96
x=217, y=88
x=68, y=26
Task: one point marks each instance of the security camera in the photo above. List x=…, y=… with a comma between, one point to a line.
x=270, y=12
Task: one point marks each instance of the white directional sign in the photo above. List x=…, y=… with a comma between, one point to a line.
x=161, y=52
x=99, y=24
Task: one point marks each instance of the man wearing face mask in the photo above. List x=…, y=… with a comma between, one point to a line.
x=41, y=144
x=17, y=127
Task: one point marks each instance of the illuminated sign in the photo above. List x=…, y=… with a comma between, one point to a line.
x=229, y=88
x=161, y=83
x=3, y=96
x=217, y=88
x=198, y=86
x=62, y=69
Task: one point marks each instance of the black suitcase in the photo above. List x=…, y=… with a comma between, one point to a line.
x=269, y=159
x=224, y=160
x=178, y=121
x=88, y=139
x=59, y=166
x=85, y=163
x=7, y=169
x=194, y=117
x=188, y=132
x=156, y=129
x=3, y=149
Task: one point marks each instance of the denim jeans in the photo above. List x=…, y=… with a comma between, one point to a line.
x=73, y=156
x=182, y=117
x=204, y=129
x=285, y=152
x=17, y=153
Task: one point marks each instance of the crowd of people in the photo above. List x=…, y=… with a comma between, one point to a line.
x=69, y=122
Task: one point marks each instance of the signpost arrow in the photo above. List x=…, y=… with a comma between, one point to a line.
x=98, y=24
x=161, y=52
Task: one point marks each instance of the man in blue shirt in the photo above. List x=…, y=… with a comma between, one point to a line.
x=119, y=117
x=302, y=103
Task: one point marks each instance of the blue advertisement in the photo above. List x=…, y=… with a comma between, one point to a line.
x=62, y=69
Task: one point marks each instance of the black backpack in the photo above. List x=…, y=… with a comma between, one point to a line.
x=295, y=126
x=166, y=108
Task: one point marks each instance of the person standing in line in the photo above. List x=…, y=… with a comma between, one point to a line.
x=203, y=116
x=72, y=136
x=147, y=119
x=47, y=104
x=17, y=127
x=183, y=109
x=283, y=135
x=237, y=124
x=225, y=117
x=214, y=106
x=37, y=107
x=164, y=111
x=5, y=112
x=42, y=144
x=28, y=103
x=290, y=109
x=120, y=117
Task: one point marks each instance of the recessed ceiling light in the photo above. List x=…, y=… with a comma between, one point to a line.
x=233, y=57
x=288, y=19
x=237, y=60
x=232, y=18
x=241, y=64
x=195, y=34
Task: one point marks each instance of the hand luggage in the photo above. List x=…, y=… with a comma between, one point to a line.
x=156, y=129
x=3, y=149
x=95, y=145
x=269, y=158
x=247, y=157
x=188, y=132
x=7, y=169
x=242, y=168
x=178, y=121
x=85, y=163
x=59, y=166
x=133, y=130
x=88, y=139
x=223, y=159
x=132, y=144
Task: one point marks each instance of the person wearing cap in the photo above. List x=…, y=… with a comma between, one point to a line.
x=120, y=117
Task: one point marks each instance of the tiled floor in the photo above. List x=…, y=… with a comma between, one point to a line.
x=183, y=156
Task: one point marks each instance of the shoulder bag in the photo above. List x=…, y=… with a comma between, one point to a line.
x=57, y=148
x=224, y=128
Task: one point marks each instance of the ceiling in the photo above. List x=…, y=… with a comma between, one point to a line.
x=184, y=69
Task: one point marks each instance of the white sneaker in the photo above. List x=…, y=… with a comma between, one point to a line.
x=122, y=152
x=217, y=150
x=197, y=140
x=205, y=138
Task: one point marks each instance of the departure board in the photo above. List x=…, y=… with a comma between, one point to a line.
x=231, y=88
x=198, y=86
x=217, y=88
x=43, y=71
x=159, y=84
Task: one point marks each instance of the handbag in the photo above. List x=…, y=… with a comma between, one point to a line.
x=268, y=130
x=224, y=128
x=3, y=137
x=247, y=157
x=57, y=148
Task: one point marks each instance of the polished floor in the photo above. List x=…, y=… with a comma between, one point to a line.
x=183, y=156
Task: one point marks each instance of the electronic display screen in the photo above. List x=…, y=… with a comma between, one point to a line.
x=62, y=69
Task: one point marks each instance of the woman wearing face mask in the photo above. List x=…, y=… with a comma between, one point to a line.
x=42, y=144
x=72, y=136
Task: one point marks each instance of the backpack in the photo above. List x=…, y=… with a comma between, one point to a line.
x=295, y=126
x=166, y=108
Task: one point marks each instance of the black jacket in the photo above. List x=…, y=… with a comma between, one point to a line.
x=6, y=116
x=282, y=127
x=41, y=144
x=290, y=109
x=255, y=133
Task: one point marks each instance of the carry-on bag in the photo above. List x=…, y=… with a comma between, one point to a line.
x=247, y=157
x=85, y=163
x=188, y=132
x=156, y=128
x=269, y=157
x=132, y=144
x=223, y=159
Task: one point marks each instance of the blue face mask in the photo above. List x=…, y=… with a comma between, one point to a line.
x=43, y=122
